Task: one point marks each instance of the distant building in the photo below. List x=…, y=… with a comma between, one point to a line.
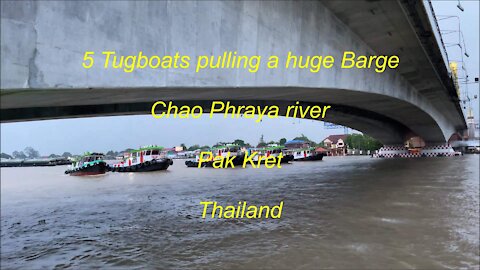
x=415, y=142
x=473, y=134
x=336, y=144
x=170, y=152
x=472, y=127
x=321, y=150
x=179, y=148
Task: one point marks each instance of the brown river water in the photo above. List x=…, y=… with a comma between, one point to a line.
x=343, y=213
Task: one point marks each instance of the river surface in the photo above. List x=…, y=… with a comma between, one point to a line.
x=343, y=212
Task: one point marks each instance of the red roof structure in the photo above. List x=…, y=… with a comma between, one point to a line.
x=321, y=150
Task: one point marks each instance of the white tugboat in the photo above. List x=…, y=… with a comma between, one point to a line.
x=219, y=151
x=302, y=151
x=145, y=159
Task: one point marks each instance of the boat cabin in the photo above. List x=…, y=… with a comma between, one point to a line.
x=87, y=158
x=301, y=152
x=223, y=150
x=269, y=151
x=144, y=154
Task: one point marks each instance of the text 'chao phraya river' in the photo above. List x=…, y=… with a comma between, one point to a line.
x=350, y=212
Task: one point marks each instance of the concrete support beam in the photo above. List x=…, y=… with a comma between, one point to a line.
x=43, y=45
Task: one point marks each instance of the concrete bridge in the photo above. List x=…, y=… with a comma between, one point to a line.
x=43, y=45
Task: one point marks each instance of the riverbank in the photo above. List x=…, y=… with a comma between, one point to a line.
x=37, y=162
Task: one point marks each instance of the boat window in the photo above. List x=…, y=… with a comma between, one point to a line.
x=154, y=152
x=147, y=152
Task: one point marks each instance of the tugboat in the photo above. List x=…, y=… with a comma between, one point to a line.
x=89, y=164
x=219, y=151
x=194, y=163
x=302, y=151
x=272, y=150
x=145, y=159
x=305, y=154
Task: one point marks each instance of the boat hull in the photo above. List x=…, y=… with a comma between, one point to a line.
x=284, y=159
x=311, y=158
x=158, y=165
x=98, y=168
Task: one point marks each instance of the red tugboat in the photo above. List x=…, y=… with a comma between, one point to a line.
x=89, y=164
x=145, y=159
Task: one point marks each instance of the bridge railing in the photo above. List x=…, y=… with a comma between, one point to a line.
x=438, y=36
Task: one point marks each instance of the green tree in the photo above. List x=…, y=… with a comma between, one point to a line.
x=239, y=142
x=19, y=154
x=111, y=154
x=31, y=153
x=373, y=144
x=282, y=141
x=193, y=147
x=66, y=154
x=53, y=156
x=5, y=155
x=304, y=138
x=218, y=144
x=362, y=142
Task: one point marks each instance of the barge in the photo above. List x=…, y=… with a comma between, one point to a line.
x=34, y=162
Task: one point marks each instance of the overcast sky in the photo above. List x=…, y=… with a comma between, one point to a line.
x=469, y=23
x=120, y=132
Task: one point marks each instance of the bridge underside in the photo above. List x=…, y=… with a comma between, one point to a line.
x=43, y=45
x=385, y=118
